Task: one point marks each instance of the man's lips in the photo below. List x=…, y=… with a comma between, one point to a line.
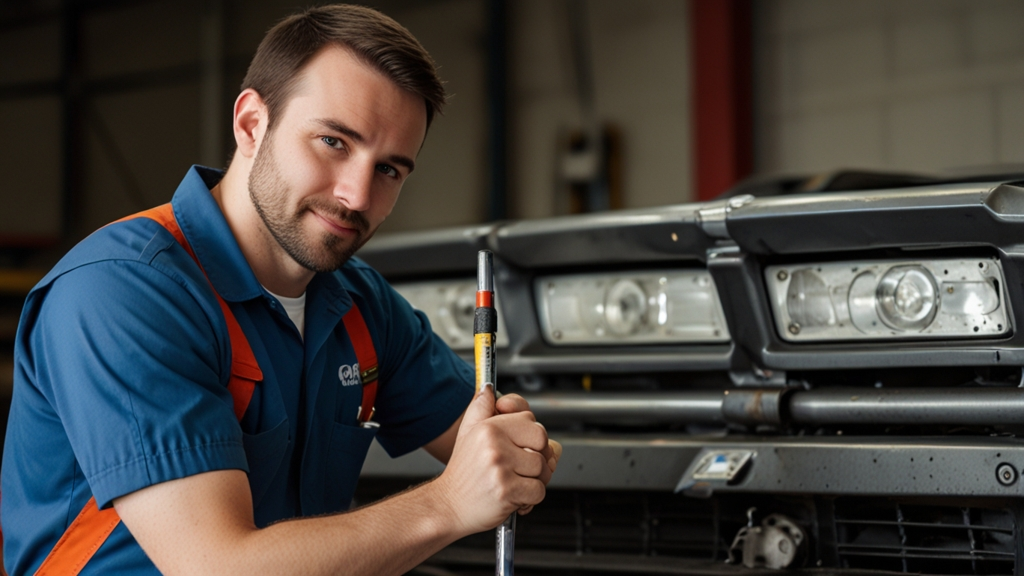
x=337, y=228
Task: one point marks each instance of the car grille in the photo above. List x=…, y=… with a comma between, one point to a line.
x=882, y=535
x=605, y=530
x=625, y=523
x=637, y=524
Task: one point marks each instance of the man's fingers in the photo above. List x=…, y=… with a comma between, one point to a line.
x=552, y=454
x=556, y=448
x=512, y=403
x=522, y=430
x=549, y=451
x=531, y=464
x=528, y=463
x=529, y=493
x=545, y=471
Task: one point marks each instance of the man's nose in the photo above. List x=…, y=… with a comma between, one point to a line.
x=354, y=185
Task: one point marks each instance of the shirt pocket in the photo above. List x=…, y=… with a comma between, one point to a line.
x=345, y=457
x=264, y=453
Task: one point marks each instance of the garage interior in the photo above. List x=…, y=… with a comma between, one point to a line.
x=557, y=108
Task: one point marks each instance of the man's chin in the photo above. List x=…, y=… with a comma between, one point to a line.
x=331, y=253
x=328, y=259
x=334, y=262
x=322, y=266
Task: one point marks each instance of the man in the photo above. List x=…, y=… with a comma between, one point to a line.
x=126, y=361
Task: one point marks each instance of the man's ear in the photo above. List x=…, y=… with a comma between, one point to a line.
x=250, y=122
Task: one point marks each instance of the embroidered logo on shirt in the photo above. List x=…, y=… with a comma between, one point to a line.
x=349, y=375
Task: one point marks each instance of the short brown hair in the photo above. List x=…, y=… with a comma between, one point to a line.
x=373, y=37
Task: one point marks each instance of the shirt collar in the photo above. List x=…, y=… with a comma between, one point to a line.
x=203, y=224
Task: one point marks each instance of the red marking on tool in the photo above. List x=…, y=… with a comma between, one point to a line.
x=484, y=299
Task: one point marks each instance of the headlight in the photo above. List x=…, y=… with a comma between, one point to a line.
x=905, y=299
x=651, y=307
x=450, y=305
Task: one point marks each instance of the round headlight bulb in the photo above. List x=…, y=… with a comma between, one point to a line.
x=625, y=307
x=907, y=298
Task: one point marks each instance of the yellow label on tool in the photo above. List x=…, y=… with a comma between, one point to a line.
x=483, y=349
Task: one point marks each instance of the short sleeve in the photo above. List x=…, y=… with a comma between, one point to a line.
x=425, y=386
x=130, y=358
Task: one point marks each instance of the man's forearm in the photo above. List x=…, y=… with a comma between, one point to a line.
x=388, y=537
x=208, y=529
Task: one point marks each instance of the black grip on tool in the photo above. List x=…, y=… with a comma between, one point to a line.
x=485, y=321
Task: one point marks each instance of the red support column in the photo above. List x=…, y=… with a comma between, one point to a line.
x=722, y=94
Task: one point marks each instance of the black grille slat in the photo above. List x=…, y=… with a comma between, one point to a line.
x=884, y=535
x=927, y=525
x=853, y=549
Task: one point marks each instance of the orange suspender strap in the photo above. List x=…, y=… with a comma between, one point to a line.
x=80, y=541
x=367, y=358
x=245, y=371
x=92, y=526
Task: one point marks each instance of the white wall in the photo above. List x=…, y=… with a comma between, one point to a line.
x=920, y=85
x=641, y=75
x=449, y=186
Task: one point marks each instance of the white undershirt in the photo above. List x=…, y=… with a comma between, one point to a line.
x=295, y=308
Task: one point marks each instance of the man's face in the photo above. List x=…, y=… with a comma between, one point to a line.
x=329, y=172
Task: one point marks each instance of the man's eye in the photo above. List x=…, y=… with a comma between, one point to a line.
x=387, y=170
x=332, y=142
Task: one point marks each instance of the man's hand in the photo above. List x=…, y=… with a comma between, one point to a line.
x=512, y=403
x=501, y=463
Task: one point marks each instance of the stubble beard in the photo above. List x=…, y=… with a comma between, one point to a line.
x=269, y=194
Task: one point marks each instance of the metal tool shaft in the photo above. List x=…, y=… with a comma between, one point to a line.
x=485, y=271
x=505, y=543
x=485, y=323
x=485, y=328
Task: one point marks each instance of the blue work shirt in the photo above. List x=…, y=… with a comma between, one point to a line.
x=121, y=368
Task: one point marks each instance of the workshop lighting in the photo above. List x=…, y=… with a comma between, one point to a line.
x=649, y=307
x=450, y=306
x=953, y=298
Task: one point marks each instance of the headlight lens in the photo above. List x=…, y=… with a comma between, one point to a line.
x=450, y=305
x=907, y=298
x=650, y=307
x=625, y=307
x=903, y=299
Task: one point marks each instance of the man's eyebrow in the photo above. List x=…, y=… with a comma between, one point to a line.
x=339, y=127
x=403, y=161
